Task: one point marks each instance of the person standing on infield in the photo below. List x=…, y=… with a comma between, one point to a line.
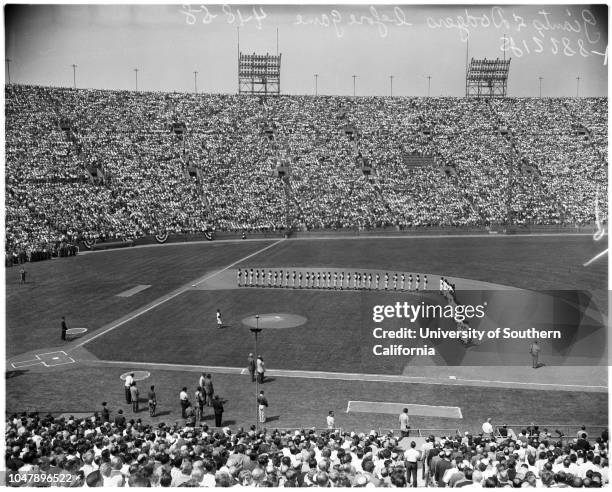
x=403, y=420
x=134, y=395
x=263, y=404
x=184, y=401
x=152, y=397
x=219, y=322
x=209, y=390
x=534, y=350
x=64, y=329
x=331, y=421
x=261, y=369
x=218, y=409
x=129, y=379
x=252, y=366
x=22, y=276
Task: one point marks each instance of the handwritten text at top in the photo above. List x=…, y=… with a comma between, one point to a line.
x=569, y=34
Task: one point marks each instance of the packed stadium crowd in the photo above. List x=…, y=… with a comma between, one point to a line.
x=474, y=175
x=43, y=450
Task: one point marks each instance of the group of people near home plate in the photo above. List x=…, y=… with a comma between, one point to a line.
x=330, y=280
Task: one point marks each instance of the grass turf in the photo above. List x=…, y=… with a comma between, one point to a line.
x=336, y=337
x=84, y=289
x=304, y=402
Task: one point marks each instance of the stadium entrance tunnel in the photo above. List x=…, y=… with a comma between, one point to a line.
x=274, y=321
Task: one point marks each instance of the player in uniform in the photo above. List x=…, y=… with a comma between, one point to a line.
x=425, y=282
x=417, y=282
x=251, y=278
x=410, y=282
x=395, y=281
x=369, y=281
x=300, y=279
x=403, y=281
x=307, y=280
x=377, y=280
x=386, y=281
x=335, y=280
x=293, y=275
x=219, y=322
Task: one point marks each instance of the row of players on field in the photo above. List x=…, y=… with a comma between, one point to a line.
x=296, y=279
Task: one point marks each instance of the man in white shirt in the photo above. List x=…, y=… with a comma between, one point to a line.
x=184, y=400
x=128, y=383
x=412, y=457
x=487, y=428
x=331, y=421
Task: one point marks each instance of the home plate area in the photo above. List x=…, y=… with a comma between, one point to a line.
x=397, y=408
x=48, y=359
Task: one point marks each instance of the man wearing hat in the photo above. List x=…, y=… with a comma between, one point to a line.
x=252, y=367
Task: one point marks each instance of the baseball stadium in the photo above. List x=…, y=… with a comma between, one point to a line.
x=327, y=263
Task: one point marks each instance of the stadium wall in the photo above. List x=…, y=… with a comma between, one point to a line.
x=383, y=231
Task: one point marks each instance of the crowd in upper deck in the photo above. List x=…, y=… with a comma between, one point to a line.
x=531, y=161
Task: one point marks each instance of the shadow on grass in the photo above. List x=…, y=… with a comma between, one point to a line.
x=163, y=414
x=14, y=374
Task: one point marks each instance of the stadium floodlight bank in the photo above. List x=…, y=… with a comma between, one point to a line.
x=487, y=78
x=259, y=74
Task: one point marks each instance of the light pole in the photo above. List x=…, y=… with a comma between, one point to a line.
x=577, y=85
x=136, y=73
x=316, y=76
x=74, y=76
x=428, y=84
x=354, y=77
x=391, y=79
x=195, y=81
x=540, y=86
x=256, y=331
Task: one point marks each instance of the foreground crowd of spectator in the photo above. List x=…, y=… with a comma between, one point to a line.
x=67, y=451
x=235, y=142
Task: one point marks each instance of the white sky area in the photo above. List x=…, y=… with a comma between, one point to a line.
x=167, y=43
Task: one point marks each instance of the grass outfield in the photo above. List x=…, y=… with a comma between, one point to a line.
x=84, y=288
x=336, y=337
x=527, y=262
x=305, y=402
x=182, y=330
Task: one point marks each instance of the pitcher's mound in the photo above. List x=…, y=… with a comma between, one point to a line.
x=275, y=320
